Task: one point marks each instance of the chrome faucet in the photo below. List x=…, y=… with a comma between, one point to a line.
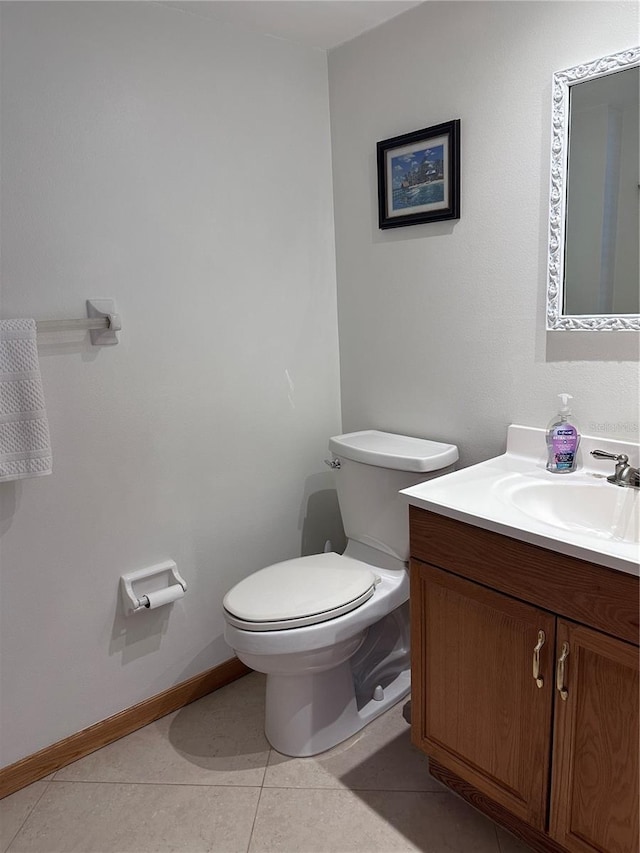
x=624, y=475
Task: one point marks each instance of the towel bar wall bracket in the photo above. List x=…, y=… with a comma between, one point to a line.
x=105, y=308
x=102, y=323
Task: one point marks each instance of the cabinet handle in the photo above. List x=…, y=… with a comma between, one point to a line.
x=536, y=659
x=562, y=690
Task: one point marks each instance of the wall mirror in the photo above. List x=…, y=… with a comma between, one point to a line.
x=594, y=278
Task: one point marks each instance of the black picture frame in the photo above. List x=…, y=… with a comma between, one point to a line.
x=419, y=176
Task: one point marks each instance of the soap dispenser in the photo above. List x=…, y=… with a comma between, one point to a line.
x=563, y=439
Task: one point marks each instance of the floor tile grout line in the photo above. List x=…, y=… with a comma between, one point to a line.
x=354, y=790
x=266, y=765
x=260, y=786
x=151, y=784
x=255, y=818
x=28, y=815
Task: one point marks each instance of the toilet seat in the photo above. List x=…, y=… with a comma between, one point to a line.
x=304, y=591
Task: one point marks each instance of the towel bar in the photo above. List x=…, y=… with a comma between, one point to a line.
x=70, y=325
x=102, y=322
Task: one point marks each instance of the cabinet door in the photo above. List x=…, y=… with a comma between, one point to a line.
x=476, y=707
x=594, y=804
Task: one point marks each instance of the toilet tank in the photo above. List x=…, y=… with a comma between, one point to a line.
x=374, y=466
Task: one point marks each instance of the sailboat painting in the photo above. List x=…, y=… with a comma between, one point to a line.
x=418, y=176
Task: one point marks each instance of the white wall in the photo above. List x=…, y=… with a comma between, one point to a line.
x=183, y=168
x=442, y=326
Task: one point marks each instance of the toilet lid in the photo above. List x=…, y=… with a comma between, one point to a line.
x=299, y=592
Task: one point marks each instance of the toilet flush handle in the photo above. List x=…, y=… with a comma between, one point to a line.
x=332, y=463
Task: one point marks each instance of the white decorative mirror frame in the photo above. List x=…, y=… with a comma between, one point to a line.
x=557, y=320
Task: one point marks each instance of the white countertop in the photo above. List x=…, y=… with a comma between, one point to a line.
x=490, y=495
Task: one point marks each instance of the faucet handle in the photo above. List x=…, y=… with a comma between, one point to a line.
x=617, y=457
x=624, y=475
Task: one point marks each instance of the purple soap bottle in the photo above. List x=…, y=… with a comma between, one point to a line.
x=563, y=439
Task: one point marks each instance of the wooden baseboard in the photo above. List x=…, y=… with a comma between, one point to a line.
x=51, y=758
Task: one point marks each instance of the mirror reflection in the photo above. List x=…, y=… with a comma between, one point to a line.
x=601, y=269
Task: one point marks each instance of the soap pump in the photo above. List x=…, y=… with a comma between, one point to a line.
x=563, y=439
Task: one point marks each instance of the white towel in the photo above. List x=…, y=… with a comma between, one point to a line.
x=25, y=448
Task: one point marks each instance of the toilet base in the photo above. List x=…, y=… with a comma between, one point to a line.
x=308, y=714
x=325, y=682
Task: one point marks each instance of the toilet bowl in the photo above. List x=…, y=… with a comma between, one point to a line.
x=331, y=631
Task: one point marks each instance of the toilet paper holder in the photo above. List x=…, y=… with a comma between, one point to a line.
x=135, y=600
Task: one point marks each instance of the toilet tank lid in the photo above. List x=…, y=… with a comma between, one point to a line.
x=387, y=450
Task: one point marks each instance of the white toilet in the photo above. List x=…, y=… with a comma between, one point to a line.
x=331, y=631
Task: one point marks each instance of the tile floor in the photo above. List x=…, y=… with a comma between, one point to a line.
x=205, y=779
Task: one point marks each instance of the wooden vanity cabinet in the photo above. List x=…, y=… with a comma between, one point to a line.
x=561, y=773
x=595, y=792
x=483, y=713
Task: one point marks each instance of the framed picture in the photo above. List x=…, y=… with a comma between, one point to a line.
x=419, y=176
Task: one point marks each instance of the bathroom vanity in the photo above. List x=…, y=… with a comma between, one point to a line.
x=525, y=676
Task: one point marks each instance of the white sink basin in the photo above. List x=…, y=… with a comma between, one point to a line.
x=598, y=509
x=578, y=514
